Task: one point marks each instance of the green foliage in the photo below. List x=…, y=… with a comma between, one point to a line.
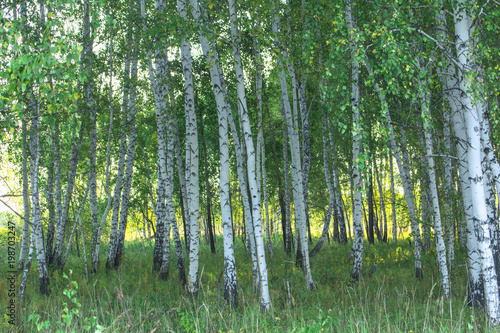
x=70, y=314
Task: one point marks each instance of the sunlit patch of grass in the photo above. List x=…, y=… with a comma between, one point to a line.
x=390, y=300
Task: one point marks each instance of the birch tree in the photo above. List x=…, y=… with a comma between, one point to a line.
x=462, y=23
x=298, y=191
x=211, y=57
x=357, y=246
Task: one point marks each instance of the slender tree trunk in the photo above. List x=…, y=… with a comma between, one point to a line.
x=26, y=202
x=261, y=147
x=286, y=168
x=34, y=146
x=172, y=141
x=382, y=202
x=426, y=208
x=127, y=185
x=207, y=185
x=438, y=230
x=393, y=200
x=449, y=193
x=357, y=246
x=128, y=122
x=63, y=220
x=246, y=202
x=338, y=204
x=293, y=135
x=113, y=237
x=370, y=232
x=51, y=208
x=210, y=53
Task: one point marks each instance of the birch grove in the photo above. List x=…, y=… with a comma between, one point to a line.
x=241, y=133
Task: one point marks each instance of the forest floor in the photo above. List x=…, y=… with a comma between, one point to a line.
x=133, y=299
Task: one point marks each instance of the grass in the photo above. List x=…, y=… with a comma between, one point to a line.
x=389, y=301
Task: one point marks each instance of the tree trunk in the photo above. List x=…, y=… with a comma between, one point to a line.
x=382, y=202
x=207, y=185
x=261, y=147
x=113, y=237
x=393, y=201
x=26, y=202
x=430, y=166
x=472, y=129
x=298, y=190
x=34, y=146
x=357, y=246
x=223, y=108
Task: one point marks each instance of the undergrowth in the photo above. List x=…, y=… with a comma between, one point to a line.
x=134, y=299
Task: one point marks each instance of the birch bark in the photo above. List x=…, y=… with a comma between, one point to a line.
x=298, y=190
x=393, y=200
x=357, y=246
x=429, y=148
x=463, y=24
x=34, y=146
x=251, y=156
x=211, y=57
x=261, y=147
x=113, y=240
x=26, y=201
x=129, y=162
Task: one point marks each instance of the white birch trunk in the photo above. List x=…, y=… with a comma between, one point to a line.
x=160, y=113
x=489, y=162
x=382, y=202
x=286, y=172
x=113, y=239
x=26, y=202
x=297, y=187
x=338, y=204
x=34, y=145
x=251, y=158
x=191, y=195
x=129, y=163
x=438, y=230
x=475, y=290
x=172, y=142
x=472, y=128
x=449, y=191
x=357, y=246
x=261, y=147
x=247, y=210
x=211, y=57
x=393, y=200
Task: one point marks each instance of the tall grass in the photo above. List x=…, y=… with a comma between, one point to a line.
x=390, y=300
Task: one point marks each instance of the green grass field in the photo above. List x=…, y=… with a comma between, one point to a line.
x=390, y=300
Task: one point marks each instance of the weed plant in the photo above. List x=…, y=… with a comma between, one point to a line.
x=134, y=299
